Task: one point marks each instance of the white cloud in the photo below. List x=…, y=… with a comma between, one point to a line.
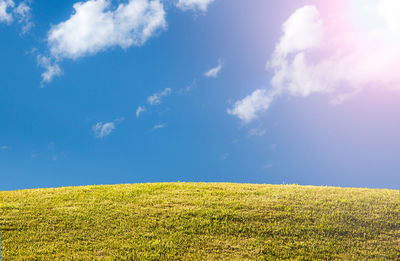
x=6, y=11
x=259, y=132
x=350, y=60
x=52, y=69
x=317, y=55
x=213, y=72
x=159, y=126
x=9, y=11
x=96, y=26
x=155, y=99
x=4, y=147
x=102, y=130
x=303, y=30
x=200, y=5
x=248, y=108
x=23, y=14
x=140, y=110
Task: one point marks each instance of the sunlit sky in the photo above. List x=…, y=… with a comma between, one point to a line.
x=107, y=92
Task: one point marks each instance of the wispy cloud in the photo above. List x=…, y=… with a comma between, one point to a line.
x=102, y=130
x=5, y=11
x=52, y=69
x=4, y=147
x=97, y=25
x=224, y=156
x=200, y=5
x=267, y=166
x=139, y=111
x=23, y=14
x=258, y=132
x=48, y=151
x=248, y=108
x=155, y=99
x=188, y=88
x=51, y=147
x=9, y=12
x=159, y=126
x=214, y=72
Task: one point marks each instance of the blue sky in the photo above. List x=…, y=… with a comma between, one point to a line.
x=220, y=98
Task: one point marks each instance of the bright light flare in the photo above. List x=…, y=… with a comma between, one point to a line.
x=378, y=17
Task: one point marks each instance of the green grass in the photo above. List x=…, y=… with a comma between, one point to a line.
x=199, y=221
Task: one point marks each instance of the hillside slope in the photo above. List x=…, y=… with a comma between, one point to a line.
x=200, y=221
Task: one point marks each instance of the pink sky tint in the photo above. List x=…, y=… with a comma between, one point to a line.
x=338, y=49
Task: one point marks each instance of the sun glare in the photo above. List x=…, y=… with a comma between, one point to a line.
x=378, y=17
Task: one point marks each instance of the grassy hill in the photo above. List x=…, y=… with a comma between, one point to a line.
x=200, y=221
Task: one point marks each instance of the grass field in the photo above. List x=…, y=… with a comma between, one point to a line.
x=199, y=221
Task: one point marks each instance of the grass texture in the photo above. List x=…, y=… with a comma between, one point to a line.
x=200, y=221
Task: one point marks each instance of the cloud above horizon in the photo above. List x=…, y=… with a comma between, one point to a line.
x=96, y=25
x=316, y=54
x=199, y=5
x=248, y=108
